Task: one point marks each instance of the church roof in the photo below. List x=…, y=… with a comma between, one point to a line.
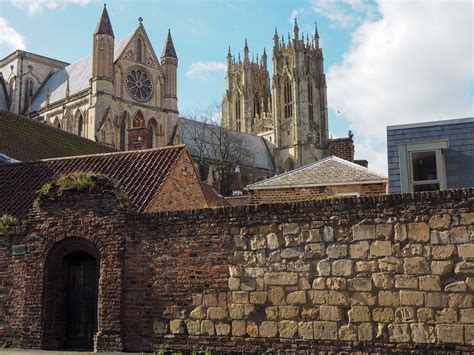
x=104, y=26
x=140, y=174
x=25, y=139
x=326, y=172
x=78, y=74
x=259, y=151
x=168, y=49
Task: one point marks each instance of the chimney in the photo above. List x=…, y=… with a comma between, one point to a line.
x=342, y=147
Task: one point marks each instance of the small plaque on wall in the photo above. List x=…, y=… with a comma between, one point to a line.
x=18, y=250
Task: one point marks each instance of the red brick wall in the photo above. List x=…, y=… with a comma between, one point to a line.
x=342, y=148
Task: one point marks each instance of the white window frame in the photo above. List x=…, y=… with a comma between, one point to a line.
x=405, y=151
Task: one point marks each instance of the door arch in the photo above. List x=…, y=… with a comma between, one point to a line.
x=71, y=295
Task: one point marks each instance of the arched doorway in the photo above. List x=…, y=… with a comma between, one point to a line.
x=71, y=293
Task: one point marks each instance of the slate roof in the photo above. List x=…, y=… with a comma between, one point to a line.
x=25, y=139
x=104, y=26
x=326, y=172
x=168, y=49
x=140, y=174
x=261, y=156
x=78, y=73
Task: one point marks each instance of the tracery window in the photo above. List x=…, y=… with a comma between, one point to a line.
x=80, y=125
x=288, y=99
x=139, y=84
x=138, y=50
x=138, y=121
x=122, y=135
x=28, y=92
x=237, y=112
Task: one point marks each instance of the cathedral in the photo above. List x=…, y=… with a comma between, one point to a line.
x=291, y=112
x=122, y=95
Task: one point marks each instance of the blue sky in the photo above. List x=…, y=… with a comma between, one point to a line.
x=379, y=73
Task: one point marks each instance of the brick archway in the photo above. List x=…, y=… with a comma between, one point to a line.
x=71, y=295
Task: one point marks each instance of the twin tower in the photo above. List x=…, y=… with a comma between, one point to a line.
x=291, y=112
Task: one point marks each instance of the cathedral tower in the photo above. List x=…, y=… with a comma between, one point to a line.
x=246, y=105
x=299, y=101
x=169, y=64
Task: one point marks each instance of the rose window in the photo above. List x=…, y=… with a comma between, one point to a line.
x=139, y=84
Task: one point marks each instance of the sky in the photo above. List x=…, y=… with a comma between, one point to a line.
x=386, y=62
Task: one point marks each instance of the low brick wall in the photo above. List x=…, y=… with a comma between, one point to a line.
x=362, y=274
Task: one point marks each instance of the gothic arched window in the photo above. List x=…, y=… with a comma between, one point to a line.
x=237, y=112
x=28, y=93
x=138, y=50
x=256, y=105
x=80, y=126
x=310, y=100
x=138, y=121
x=288, y=99
x=122, y=134
x=151, y=134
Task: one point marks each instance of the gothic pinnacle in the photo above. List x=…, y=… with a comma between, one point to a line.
x=296, y=29
x=275, y=38
x=246, y=51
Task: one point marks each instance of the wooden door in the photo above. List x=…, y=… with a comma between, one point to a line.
x=81, y=302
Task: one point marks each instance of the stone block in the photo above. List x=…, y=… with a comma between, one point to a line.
x=359, y=314
x=338, y=298
x=207, y=327
x=383, y=280
x=240, y=242
x=319, y=283
x=222, y=329
x=440, y=221
x=305, y=330
x=456, y=286
x=469, y=334
x=459, y=235
x=276, y=295
x=363, y=299
x=415, y=250
x=436, y=299
x=247, y=284
x=389, y=263
x=209, y=300
x=268, y=329
x=238, y=328
x=325, y=330
x=365, y=332
x=416, y=266
x=291, y=228
x=400, y=232
x=258, y=297
x=460, y=300
x=336, y=283
x=384, y=231
x=291, y=253
x=293, y=240
x=425, y=315
x=324, y=267
x=464, y=268
x=240, y=297
x=271, y=312
x=318, y=296
x=252, y=329
x=382, y=315
x=329, y=313
x=258, y=242
x=314, y=251
x=447, y=315
x=309, y=312
x=274, y=241
x=314, y=236
x=359, y=250
x=303, y=283
x=442, y=267
x=361, y=284
x=342, y=268
x=217, y=313
x=440, y=237
x=450, y=333
x=281, y=278
x=470, y=283
x=380, y=248
x=411, y=298
x=399, y=333
x=348, y=332
x=287, y=329
x=404, y=315
x=199, y=313
x=363, y=232
x=466, y=251
x=288, y=312
x=430, y=283
x=234, y=283
x=419, y=232
x=467, y=219
x=406, y=281
x=193, y=327
x=297, y=297
x=328, y=234
x=236, y=311
x=160, y=327
x=366, y=266
x=336, y=251
x=388, y=298
x=467, y=315
x=197, y=299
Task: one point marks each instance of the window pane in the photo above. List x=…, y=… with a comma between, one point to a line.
x=425, y=187
x=424, y=166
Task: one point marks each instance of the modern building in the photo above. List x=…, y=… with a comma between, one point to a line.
x=431, y=155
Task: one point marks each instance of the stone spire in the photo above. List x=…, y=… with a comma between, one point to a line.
x=246, y=51
x=275, y=38
x=264, y=57
x=168, y=49
x=104, y=26
x=229, y=58
x=296, y=29
x=316, y=36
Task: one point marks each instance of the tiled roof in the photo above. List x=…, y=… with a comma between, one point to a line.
x=140, y=174
x=78, y=73
x=259, y=153
x=326, y=172
x=25, y=139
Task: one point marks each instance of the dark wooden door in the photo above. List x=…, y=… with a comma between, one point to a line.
x=81, y=302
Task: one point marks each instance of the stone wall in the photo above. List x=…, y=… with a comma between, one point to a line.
x=373, y=273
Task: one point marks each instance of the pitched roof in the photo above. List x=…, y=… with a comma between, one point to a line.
x=168, y=49
x=212, y=197
x=326, y=172
x=25, y=139
x=140, y=174
x=260, y=155
x=78, y=74
x=104, y=26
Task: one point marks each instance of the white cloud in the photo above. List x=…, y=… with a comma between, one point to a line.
x=344, y=13
x=202, y=70
x=412, y=64
x=295, y=13
x=37, y=6
x=10, y=40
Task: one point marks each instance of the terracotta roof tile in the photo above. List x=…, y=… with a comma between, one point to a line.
x=25, y=139
x=140, y=174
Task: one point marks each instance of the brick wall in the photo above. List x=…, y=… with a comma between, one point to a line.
x=392, y=272
x=342, y=148
x=312, y=193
